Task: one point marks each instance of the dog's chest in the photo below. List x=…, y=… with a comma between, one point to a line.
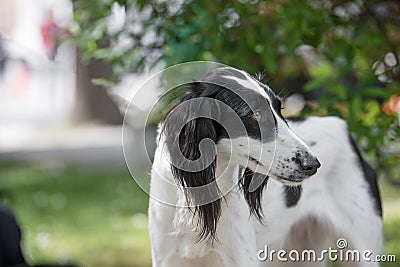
x=234, y=232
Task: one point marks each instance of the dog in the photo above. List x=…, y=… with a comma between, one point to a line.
x=231, y=176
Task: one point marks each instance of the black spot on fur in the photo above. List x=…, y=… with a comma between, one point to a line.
x=292, y=195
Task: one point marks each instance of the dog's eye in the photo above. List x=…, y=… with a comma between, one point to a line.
x=256, y=115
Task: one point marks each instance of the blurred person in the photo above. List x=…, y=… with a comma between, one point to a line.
x=10, y=237
x=51, y=35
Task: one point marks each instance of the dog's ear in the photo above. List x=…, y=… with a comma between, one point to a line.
x=190, y=140
x=253, y=198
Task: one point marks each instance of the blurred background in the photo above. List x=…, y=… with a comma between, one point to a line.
x=66, y=66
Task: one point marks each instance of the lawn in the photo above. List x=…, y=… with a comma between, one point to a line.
x=97, y=218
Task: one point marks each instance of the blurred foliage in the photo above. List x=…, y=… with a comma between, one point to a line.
x=342, y=55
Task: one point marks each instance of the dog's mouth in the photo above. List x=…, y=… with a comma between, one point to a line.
x=255, y=161
x=291, y=180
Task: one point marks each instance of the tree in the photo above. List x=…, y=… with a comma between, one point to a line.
x=92, y=101
x=342, y=55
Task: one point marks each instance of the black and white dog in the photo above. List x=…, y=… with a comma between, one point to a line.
x=212, y=202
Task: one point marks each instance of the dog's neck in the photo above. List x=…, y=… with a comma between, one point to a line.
x=227, y=175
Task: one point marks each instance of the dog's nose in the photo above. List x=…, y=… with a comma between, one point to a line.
x=310, y=164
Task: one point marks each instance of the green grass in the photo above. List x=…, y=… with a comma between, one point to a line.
x=98, y=217
x=91, y=217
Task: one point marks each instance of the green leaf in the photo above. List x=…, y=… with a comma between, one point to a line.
x=376, y=92
x=312, y=85
x=323, y=70
x=355, y=107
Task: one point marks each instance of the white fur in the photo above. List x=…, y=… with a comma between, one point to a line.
x=335, y=203
x=248, y=83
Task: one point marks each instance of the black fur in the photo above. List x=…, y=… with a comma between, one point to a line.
x=297, y=118
x=292, y=195
x=369, y=176
x=253, y=199
x=187, y=139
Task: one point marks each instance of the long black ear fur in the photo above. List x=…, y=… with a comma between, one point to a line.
x=186, y=140
x=253, y=198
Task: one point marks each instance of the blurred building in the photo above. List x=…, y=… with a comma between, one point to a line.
x=46, y=98
x=35, y=88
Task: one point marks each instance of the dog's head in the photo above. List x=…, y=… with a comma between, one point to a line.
x=230, y=114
